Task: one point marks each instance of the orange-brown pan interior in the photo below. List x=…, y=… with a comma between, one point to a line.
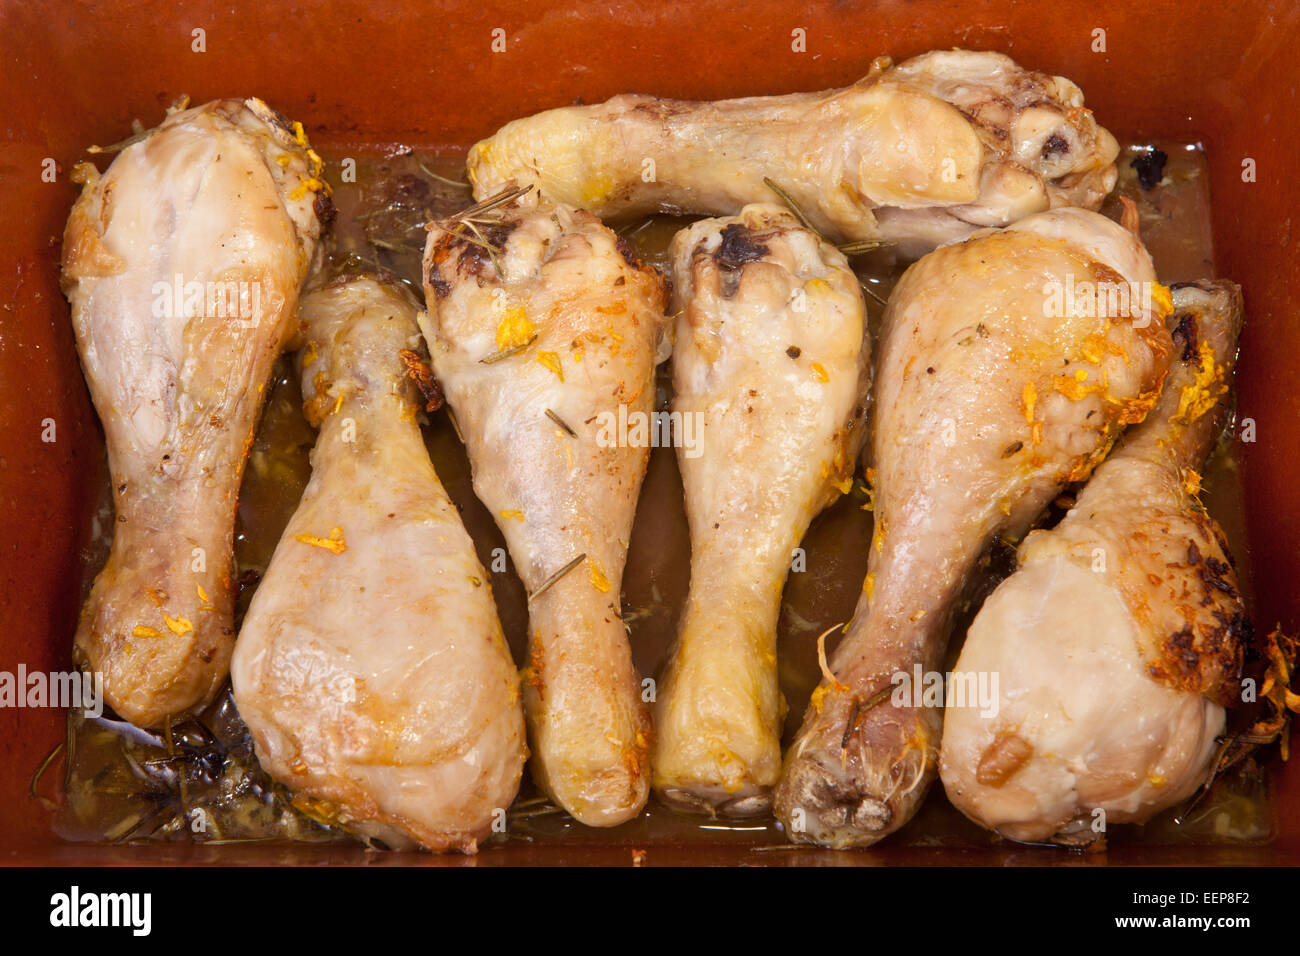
x=425, y=75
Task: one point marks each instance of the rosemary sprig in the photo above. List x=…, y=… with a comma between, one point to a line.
x=863, y=245
x=508, y=195
x=491, y=249
x=506, y=353
x=794, y=206
x=557, y=575
x=561, y=422
x=848, y=248
x=137, y=137
x=868, y=290
x=474, y=216
x=442, y=179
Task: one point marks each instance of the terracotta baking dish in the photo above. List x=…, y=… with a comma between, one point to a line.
x=421, y=74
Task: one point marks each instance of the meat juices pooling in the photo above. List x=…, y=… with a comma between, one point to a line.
x=987, y=402
x=371, y=669
x=770, y=371
x=545, y=332
x=1119, y=639
x=182, y=263
x=915, y=154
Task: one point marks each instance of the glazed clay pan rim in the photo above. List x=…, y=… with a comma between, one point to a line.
x=424, y=75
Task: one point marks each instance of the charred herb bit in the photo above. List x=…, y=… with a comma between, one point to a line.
x=545, y=585
x=419, y=370
x=1150, y=167
x=794, y=351
x=561, y=422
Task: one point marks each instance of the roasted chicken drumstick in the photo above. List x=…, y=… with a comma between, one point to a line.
x=771, y=358
x=916, y=154
x=182, y=263
x=1005, y=369
x=1119, y=639
x=371, y=669
x=544, y=334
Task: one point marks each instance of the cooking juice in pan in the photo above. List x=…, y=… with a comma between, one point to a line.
x=200, y=781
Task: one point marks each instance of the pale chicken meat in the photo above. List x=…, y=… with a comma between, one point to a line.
x=770, y=374
x=1007, y=365
x=915, y=154
x=182, y=264
x=371, y=669
x=1119, y=639
x=544, y=333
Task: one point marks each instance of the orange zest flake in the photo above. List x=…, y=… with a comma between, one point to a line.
x=1075, y=387
x=333, y=544
x=843, y=486
x=878, y=541
x=514, y=329
x=309, y=184
x=512, y=515
x=1135, y=410
x=869, y=586
x=870, y=492
x=819, y=372
x=1192, y=481
x=141, y=630
x=596, y=574
x=1029, y=398
x=178, y=625
x=1200, y=396
x=206, y=602
x=551, y=360
x=1162, y=299
x=317, y=164
x=829, y=681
